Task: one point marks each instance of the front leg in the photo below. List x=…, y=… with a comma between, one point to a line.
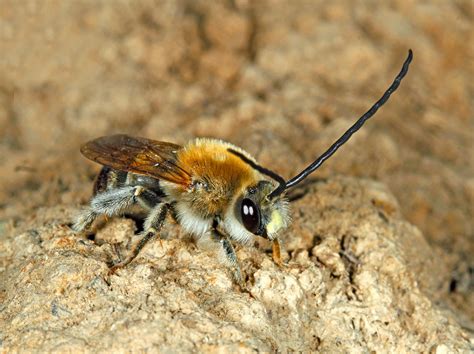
x=276, y=252
x=229, y=252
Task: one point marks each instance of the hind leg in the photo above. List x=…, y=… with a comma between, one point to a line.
x=114, y=202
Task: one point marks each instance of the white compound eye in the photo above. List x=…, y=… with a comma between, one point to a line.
x=250, y=216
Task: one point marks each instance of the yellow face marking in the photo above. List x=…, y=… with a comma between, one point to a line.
x=276, y=222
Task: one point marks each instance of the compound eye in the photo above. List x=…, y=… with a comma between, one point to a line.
x=250, y=216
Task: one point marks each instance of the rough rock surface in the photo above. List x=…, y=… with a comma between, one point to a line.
x=358, y=277
x=378, y=261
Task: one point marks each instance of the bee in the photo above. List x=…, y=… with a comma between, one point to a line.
x=216, y=191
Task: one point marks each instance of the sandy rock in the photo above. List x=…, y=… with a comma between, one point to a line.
x=379, y=261
x=359, y=288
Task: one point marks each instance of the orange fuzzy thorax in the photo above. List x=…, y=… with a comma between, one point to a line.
x=223, y=174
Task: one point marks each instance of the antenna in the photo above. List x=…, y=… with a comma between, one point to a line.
x=347, y=135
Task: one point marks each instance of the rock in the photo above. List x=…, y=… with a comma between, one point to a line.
x=361, y=288
x=380, y=260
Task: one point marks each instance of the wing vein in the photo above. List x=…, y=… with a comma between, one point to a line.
x=156, y=159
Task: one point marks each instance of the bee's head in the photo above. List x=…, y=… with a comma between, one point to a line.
x=262, y=209
x=260, y=215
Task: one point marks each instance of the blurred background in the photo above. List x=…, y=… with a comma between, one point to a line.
x=280, y=79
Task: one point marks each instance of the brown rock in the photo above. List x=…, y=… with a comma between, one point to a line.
x=379, y=261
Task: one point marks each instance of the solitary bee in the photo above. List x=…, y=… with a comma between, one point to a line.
x=215, y=190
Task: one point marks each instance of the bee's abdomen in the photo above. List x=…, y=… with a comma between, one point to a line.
x=100, y=183
x=108, y=178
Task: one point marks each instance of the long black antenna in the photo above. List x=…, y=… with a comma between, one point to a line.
x=347, y=135
x=259, y=168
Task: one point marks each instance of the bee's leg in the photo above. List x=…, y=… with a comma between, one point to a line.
x=153, y=224
x=110, y=203
x=84, y=220
x=230, y=256
x=276, y=252
x=114, y=202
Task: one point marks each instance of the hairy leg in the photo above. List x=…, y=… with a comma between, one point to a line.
x=114, y=202
x=229, y=253
x=153, y=224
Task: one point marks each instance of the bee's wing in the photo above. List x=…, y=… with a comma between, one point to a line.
x=138, y=155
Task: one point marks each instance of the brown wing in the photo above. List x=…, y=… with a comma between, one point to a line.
x=138, y=155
